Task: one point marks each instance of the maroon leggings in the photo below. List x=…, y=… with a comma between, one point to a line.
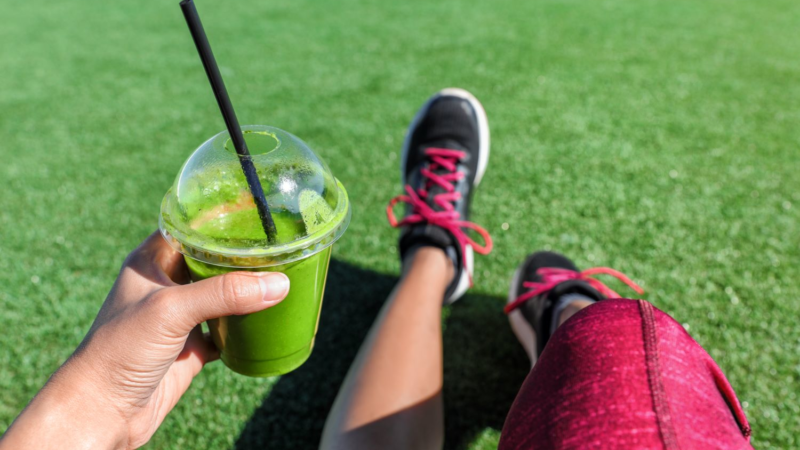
x=623, y=374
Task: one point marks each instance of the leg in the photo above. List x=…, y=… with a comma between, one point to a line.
x=391, y=397
x=621, y=374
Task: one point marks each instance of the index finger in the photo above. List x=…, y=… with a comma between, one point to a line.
x=157, y=262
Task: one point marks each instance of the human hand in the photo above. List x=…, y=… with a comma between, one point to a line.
x=140, y=355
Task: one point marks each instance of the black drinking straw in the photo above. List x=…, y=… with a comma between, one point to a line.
x=225, y=106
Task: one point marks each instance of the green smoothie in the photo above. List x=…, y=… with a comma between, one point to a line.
x=279, y=339
x=210, y=217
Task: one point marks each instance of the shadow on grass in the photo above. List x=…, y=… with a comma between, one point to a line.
x=484, y=366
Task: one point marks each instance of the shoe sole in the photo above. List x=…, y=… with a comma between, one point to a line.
x=521, y=328
x=483, y=162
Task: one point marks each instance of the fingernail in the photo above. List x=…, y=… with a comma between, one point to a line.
x=274, y=286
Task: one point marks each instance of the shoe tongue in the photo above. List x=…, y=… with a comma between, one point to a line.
x=446, y=143
x=432, y=193
x=576, y=287
x=434, y=188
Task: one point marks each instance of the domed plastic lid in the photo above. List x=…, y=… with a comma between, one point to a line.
x=209, y=213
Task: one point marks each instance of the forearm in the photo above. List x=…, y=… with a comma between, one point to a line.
x=65, y=414
x=140, y=356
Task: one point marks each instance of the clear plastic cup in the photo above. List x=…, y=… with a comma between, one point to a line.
x=210, y=217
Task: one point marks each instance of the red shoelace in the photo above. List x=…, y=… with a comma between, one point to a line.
x=552, y=276
x=447, y=218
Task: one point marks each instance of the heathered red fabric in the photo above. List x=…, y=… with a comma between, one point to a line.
x=623, y=374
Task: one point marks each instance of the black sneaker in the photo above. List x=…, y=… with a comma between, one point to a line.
x=444, y=158
x=550, y=278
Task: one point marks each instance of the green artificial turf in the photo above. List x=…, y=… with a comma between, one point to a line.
x=656, y=137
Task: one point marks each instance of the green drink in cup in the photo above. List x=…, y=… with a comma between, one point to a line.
x=209, y=215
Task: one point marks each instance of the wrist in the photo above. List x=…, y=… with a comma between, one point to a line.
x=68, y=412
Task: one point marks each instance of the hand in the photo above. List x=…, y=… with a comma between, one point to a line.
x=140, y=355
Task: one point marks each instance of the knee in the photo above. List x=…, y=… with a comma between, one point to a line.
x=609, y=323
x=603, y=317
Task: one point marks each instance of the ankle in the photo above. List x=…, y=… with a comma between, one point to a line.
x=431, y=261
x=572, y=309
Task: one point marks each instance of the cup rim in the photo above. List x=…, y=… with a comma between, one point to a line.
x=260, y=256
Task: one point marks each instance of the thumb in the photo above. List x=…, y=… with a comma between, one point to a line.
x=234, y=293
